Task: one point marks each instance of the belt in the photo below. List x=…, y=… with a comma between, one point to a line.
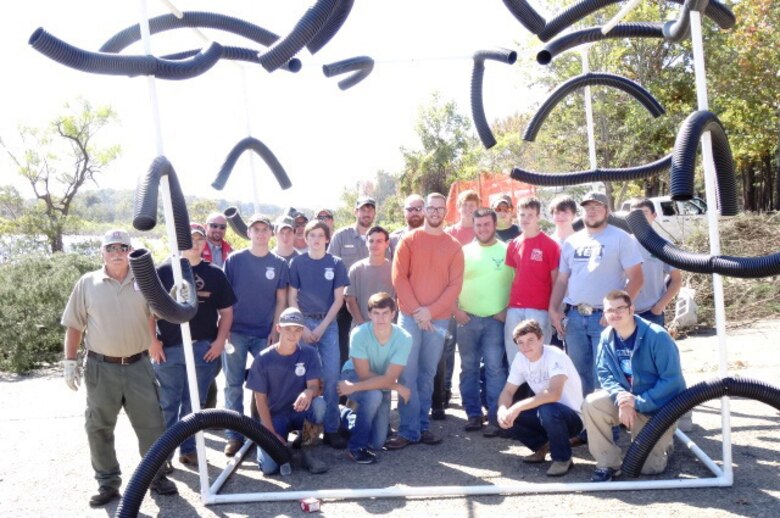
x=583, y=309
x=122, y=360
x=315, y=316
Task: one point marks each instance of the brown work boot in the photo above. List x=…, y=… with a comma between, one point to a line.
x=559, y=468
x=538, y=456
x=232, y=447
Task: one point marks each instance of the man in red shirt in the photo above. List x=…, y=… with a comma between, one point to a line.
x=216, y=249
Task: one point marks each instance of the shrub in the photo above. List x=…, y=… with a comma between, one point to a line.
x=34, y=290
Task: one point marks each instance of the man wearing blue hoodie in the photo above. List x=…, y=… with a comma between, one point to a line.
x=638, y=367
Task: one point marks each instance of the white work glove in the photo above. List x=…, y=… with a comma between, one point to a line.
x=72, y=373
x=183, y=291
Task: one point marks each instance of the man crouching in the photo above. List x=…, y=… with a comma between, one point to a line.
x=546, y=421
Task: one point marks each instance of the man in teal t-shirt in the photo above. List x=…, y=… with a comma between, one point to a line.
x=480, y=316
x=378, y=351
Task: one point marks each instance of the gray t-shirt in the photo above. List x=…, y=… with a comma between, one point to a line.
x=654, y=286
x=349, y=245
x=596, y=264
x=365, y=280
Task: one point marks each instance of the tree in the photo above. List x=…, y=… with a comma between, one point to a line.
x=57, y=161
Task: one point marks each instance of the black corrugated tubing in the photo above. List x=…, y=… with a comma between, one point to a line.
x=233, y=217
x=250, y=143
x=159, y=300
x=239, y=54
x=158, y=454
x=526, y=15
x=600, y=79
x=361, y=65
x=145, y=209
x=332, y=26
x=591, y=34
x=644, y=443
x=304, y=31
x=594, y=175
x=112, y=64
x=684, y=160
x=616, y=221
x=477, y=75
x=730, y=266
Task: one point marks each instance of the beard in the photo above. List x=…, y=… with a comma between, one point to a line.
x=415, y=221
x=435, y=224
x=595, y=224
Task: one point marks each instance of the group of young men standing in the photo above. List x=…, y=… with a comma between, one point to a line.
x=315, y=317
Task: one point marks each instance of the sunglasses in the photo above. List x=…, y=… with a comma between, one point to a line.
x=112, y=249
x=324, y=217
x=220, y=226
x=413, y=209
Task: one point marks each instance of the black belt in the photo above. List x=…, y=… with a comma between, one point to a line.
x=582, y=309
x=122, y=360
x=315, y=316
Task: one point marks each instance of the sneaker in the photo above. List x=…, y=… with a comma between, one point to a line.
x=104, y=495
x=397, y=442
x=334, y=440
x=605, y=474
x=538, y=456
x=474, y=424
x=559, y=468
x=491, y=431
x=162, y=485
x=437, y=414
x=232, y=447
x=189, y=458
x=428, y=437
x=362, y=456
x=314, y=464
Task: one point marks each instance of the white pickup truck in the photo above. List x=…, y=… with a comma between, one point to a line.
x=675, y=220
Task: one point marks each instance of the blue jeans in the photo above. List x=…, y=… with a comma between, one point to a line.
x=582, y=340
x=234, y=366
x=652, y=317
x=368, y=424
x=174, y=390
x=516, y=315
x=418, y=375
x=287, y=421
x=481, y=339
x=552, y=422
x=328, y=348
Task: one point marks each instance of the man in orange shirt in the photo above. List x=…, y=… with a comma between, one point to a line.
x=427, y=276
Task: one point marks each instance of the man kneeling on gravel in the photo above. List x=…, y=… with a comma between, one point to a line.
x=285, y=378
x=547, y=420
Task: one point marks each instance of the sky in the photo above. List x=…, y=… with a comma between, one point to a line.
x=324, y=137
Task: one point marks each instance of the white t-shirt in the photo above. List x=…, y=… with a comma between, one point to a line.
x=537, y=374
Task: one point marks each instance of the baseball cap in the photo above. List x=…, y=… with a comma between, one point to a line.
x=259, y=218
x=595, y=196
x=284, y=222
x=291, y=317
x=365, y=200
x=116, y=236
x=197, y=227
x=504, y=198
x=326, y=212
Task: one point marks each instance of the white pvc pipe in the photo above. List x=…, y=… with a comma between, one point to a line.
x=232, y=464
x=714, y=231
x=630, y=6
x=589, y=110
x=165, y=192
x=699, y=453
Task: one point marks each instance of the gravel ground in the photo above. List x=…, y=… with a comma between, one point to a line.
x=45, y=468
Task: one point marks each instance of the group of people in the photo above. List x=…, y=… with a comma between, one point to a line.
x=560, y=337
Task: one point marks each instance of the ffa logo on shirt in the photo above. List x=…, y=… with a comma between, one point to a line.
x=537, y=255
x=497, y=262
x=270, y=273
x=329, y=274
x=300, y=369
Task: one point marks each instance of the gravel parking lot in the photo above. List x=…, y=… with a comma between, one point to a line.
x=45, y=467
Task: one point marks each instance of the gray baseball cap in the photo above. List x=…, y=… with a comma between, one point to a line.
x=595, y=196
x=291, y=317
x=116, y=236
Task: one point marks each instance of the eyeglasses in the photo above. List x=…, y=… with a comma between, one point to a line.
x=440, y=210
x=503, y=209
x=112, y=249
x=413, y=209
x=616, y=311
x=220, y=226
x=323, y=217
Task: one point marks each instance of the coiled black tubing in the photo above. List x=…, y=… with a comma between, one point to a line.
x=239, y=54
x=336, y=19
x=686, y=146
x=593, y=34
x=167, y=443
x=361, y=65
x=145, y=208
x=730, y=266
x=593, y=175
x=233, y=217
x=679, y=29
x=646, y=440
x=251, y=143
x=600, y=79
x=112, y=64
x=160, y=301
x=477, y=75
x=190, y=19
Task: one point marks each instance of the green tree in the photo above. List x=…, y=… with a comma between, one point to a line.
x=57, y=161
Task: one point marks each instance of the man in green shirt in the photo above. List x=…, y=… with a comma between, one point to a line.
x=480, y=316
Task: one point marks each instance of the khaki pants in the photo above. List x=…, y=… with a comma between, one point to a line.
x=601, y=414
x=110, y=387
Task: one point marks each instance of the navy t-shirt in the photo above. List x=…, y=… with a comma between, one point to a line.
x=283, y=378
x=315, y=280
x=255, y=281
x=624, y=349
x=214, y=293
